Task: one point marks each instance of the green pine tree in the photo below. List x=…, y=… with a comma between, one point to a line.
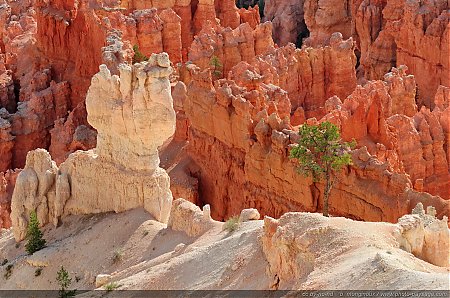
x=320, y=152
x=34, y=235
x=216, y=66
x=64, y=282
x=138, y=56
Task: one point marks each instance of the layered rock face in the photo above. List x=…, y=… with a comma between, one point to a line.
x=383, y=116
x=7, y=183
x=241, y=146
x=133, y=115
x=308, y=84
x=247, y=134
x=387, y=34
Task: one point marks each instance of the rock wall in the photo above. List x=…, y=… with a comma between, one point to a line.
x=387, y=34
x=425, y=236
x=240, y=139
x=308, y=84
x=7, y=183
x=288, y=21
x=133, y=115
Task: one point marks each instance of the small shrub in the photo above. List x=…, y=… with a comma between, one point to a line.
x=232, y=224
x=145, y=233
x=111, y=286
x=8, y=271
x=138, y=56
x=38, y=272
x=5, y=261
x=17, y=245
x=34, y=235
x=117, y=256
x=216, y=67
x=64, y=282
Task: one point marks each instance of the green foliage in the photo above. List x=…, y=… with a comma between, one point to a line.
x=34, y=235
x=38, y=272
x=111, y=286
x=232, y=224
x=321, y=152
x=217, y=67
x=138, y=56
x=64, y=282
x=8, y=271
x=117, y=256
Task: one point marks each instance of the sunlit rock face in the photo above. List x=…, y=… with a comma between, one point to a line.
x=133, y=114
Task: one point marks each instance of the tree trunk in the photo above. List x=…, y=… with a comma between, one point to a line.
x=326, y=195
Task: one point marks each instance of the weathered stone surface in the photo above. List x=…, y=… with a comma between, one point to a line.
x=425, y=236
x=7, y=183
x=133, y=115
x=241, y=144
x=287, y=17
x=189, y=218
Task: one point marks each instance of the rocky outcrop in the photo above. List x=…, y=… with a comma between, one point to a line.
x=6, y=142
x=187, y=217
x=324, y=18
x=7, y=183
x=308, y=85
x=383, y=116
x=133, y=115
x=152, y=30
x=241, y=146
x=398, y=33
x=287, y=17
x=423, y=235
x=387, y=34
x=298, y=245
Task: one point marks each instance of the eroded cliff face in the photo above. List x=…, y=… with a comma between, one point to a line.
x=133, y=114
x=387, y=34
x=242, y=144
x=239, y=116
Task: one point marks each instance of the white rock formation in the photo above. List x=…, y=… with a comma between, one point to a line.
x=133, y=115
x=425, y=236
x=187, y=217
x=249, y=214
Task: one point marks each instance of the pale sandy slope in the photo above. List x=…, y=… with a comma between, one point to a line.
x=346, y=255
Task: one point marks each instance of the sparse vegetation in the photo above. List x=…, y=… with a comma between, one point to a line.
x=117, y=256
x=320, y=152
x=8, y=271
x=38, y=272
x=64, y=282
x=111, y=286
x=232, y=224
x=145, y=233
x=5, y=261
x=216, y=66
x=34, y=235
x=138, y=56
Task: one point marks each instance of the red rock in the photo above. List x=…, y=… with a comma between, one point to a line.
x=323, y=18
x=242, y=152
x=7, y=183
x=287, y=17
